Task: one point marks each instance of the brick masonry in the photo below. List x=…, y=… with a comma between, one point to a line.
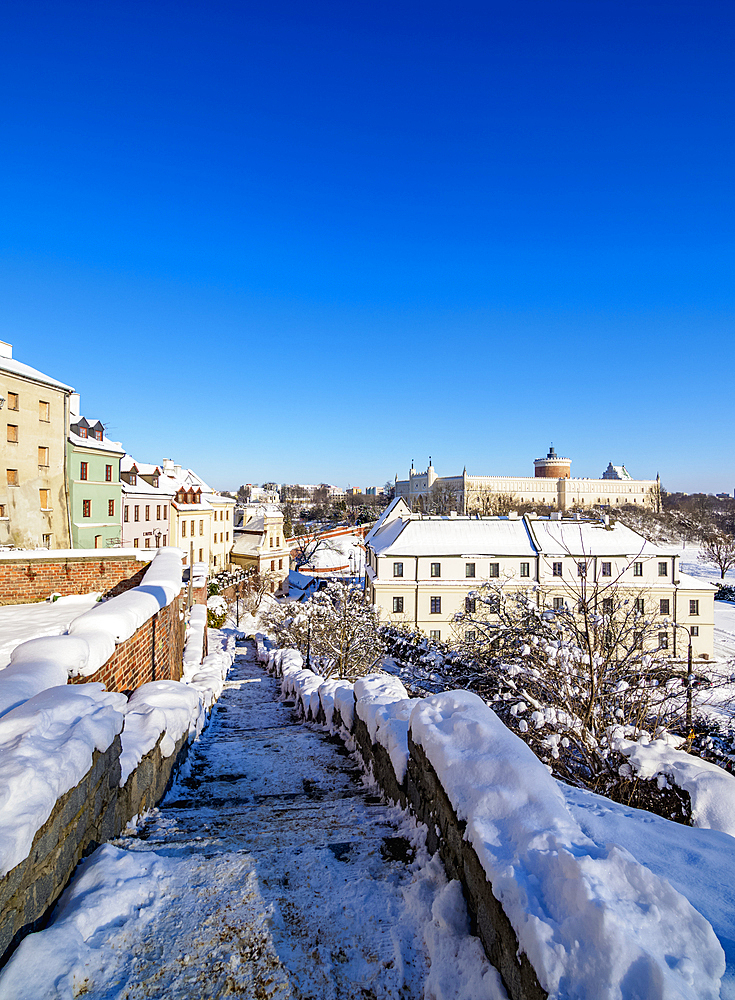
x=28, y=580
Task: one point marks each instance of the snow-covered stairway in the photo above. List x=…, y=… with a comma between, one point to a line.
x=268, y=871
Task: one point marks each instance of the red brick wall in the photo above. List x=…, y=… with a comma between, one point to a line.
x=154, y=653
x=24, y=581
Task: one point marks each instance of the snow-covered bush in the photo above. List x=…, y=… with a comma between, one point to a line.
x=216, y=611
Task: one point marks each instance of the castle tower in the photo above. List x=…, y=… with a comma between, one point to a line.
x=553, y=466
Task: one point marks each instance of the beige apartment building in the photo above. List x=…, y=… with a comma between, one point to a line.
x=201, y=520
x=261, y=546
x=551, y=485
x=34, y=505
x=421, y=570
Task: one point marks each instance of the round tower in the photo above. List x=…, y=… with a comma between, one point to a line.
x=553, y=466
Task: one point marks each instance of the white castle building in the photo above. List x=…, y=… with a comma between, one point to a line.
x=551, y=485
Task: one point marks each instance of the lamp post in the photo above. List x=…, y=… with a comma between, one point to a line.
x=690, y=677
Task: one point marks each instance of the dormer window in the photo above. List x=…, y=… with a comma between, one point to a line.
x=82, y=432
x=155, y=481
x=132, y=479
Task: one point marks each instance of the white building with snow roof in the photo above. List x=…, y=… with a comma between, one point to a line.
x=421, y=570
x=201, y=519
x=146, y=520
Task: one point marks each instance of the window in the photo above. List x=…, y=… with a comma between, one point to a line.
x=638, y=569
x=227, y=515
x=436, y=605
x=469, y=569
x=470, y=605
x=43, y=458
x=2, y=510
x=606, y=569
x=581, y=569
x=435, y=634
x=525, y=569
x=694, y=631
x=110, y=508
x=165, y=511
x=607, y=605
x=637, y=640
x=13, y=401
x=46, y=541
x=82, y=432
x=436, y=569
x=227, y=538
x=147, y=512
x=470, y=635
x=83, y=469
x=493, y=570
x=165, y=540
x=663, y=640
x=278, y=540
x=108, y=473
x=663, y=569
x=44, y=411
x=556, y=569
x=86, y=508
x=558, y=604
x=694, y=607
x=13, y=433
x=135, y=546
x=43, y=494
x=12, y=475
x=147, y=543
x=125, y=513
x=183, y=529
x=664, y=606
x=273, y=565
x=136, y=513
x=201, y=555
x=158, y=512
x=201, y=528
x=280, y=563
x=398, y=569
x=640, y=605
x=397, y=605
x=271, y=541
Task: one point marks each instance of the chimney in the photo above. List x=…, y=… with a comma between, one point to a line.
x=168, y=466
x=6, y=350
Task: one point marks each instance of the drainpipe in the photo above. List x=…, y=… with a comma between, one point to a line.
x=66, y=467
x=416, y=600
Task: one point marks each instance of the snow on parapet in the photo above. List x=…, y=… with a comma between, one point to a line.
x=160, y=707
x=383, y=704
x=593, y=922
x=46, y=748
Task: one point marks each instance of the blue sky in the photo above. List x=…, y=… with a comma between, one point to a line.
x=310, y=242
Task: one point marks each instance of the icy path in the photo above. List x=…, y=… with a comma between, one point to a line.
x=268, y=871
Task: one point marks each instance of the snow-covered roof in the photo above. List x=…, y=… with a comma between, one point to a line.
x=248, y=545
x=25, y=371
x=396, y=508
x=256, y=525
x=128, y=463
x=453, y=536
x=688, y=582
x=592, y=538
x=114, y=447
x=145, y=489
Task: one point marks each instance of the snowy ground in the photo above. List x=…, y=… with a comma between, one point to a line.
x=270, y=870
x=693, y=565
x=21, y=622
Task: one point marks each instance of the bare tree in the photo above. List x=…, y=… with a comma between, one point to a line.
x=307, y=544
x=718, y=547
x=488, y=504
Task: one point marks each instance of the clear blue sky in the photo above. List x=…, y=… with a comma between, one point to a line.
x=312, y=241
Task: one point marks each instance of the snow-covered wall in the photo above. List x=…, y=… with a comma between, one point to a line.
x=558, y=916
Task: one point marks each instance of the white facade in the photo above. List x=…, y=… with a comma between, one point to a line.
x=146, y=514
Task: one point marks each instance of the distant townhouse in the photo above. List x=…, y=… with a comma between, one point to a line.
x=146, y=505
x=260, y=545
x=34, y=509
x=201, y=519
x=422, y=570
x=93, y=478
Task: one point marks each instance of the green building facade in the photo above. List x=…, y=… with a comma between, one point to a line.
x=95, y=492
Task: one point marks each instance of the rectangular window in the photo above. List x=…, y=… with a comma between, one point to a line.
x=436, y=569
x=273, y=565
x=183, y=529
x=638, y=640
x=606, y=569
x=83, y=468
x=82, y=432
x=147, y=512
x=607, y=605
x=664, y=606
x=135, y=544
x=556, y=569
x=86, y=508
x=12, y=475
x=435, y=634
x=469, y=569
x=694, y=607
x=125, y=513
x=638, y=569
x=201, y=527
x=43, y=458
x=271, y=541
x=2, y=510
x=278, y=540
x=493, y=570
x=147, y=543
x=640, y=605
x=227, y=536
x=165, y=539
x=525, y=569
x=165, y=511
x=398, y=569
x=227, y=518
x=436, y=605
x=581, y=569
x=44, y=411
x=13, y=433
x=694, y=630
x=13, y=401
x=201, y=559
x=663, y=640
x=136, y=513
x=558, y=604
x=280, y=563
x=470, y=635
x=110, y=508
x=470, y=605
x=663, y=569
x=397, y=605
x=43, y=494
x=46, y=541
x=158, y=512
x=108, y=473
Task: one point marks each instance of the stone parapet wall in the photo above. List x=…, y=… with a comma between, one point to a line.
x=34, y=577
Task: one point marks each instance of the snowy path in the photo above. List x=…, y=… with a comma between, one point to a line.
x=269, y=871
